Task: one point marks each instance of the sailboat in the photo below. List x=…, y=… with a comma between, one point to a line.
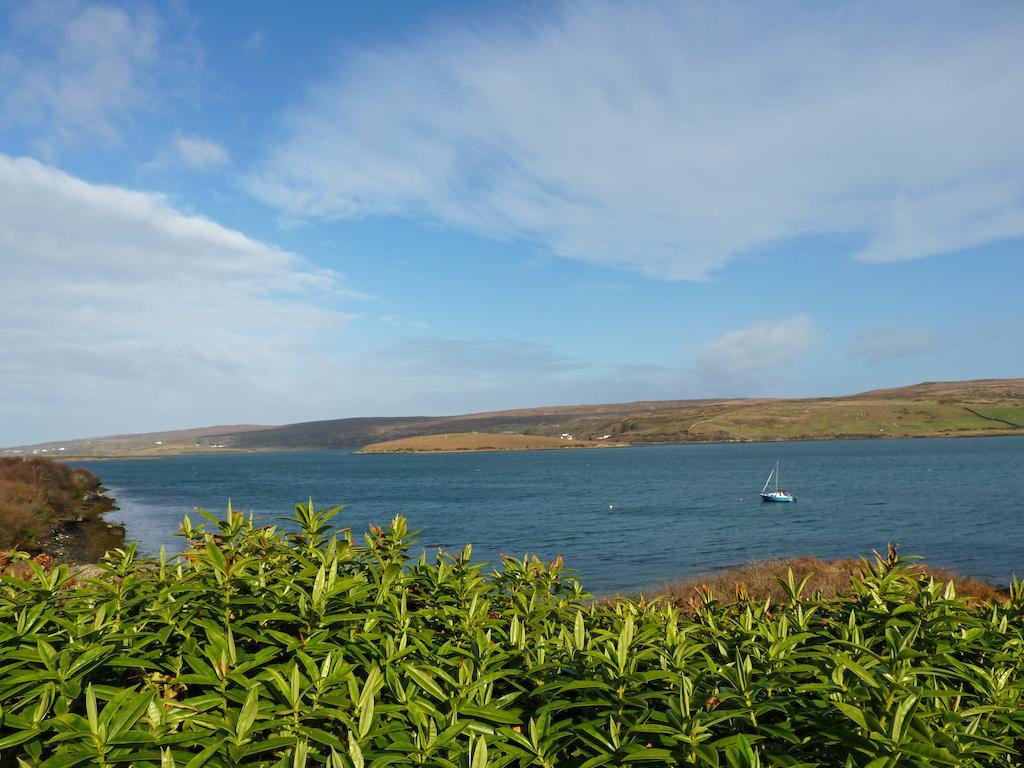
x=779, y=494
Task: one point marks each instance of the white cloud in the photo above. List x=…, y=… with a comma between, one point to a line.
x=200, y=154
x=118, y=312
x=671, y=138
x=77, y=69
x=760, y=347
x=889, y=342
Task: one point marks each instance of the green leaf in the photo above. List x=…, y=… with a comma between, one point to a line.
x=18, y=737
x=91, y=710
x=740, y=754
x=66, y=761
x=624, y=642
x=300, y=754
x=425, y=681
x=930, y=753
x=247, y=716
x=391, y=573
x=354, y=751
x=203, y=756
x=845, y=661
x=852, y=712
x=898, y=725
x=580, y=632
x=491, y=714
x=648, y=754
x=479, y=753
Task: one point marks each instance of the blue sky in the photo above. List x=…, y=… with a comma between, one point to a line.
x=263, y=213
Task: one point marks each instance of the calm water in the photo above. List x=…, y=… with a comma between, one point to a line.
x=627, y=518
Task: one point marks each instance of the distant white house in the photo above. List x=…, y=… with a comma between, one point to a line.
x=159, y=442
x=602, y=437
x=566, y=436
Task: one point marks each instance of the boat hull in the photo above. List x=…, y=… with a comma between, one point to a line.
x=778, y=498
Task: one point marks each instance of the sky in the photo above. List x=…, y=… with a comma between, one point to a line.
x=221, y=213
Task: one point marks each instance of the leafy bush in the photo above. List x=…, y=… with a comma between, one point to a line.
x=257, y=647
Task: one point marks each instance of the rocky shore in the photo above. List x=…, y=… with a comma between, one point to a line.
x=85, y=537
x=55, y=512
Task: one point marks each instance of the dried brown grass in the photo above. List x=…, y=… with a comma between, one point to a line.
x=35, y=494
x=477, y=441
x=760, y=580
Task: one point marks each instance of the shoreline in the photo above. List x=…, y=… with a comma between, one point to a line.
x=84, y=539
x=55, y=512
x=578, y=447
x=408, y=452
x=359, y=450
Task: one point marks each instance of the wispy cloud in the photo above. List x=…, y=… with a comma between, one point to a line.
x=889, y=342
x=738, y=355
x=671, y=138
x=200, y=154
x=397, y=321
x=75, y=69
x=255, y=42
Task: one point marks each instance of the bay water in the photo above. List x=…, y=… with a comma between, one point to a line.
x=625, y=519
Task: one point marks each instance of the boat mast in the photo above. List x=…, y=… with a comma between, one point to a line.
x=776, y=476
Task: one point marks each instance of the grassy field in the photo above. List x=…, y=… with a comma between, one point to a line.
x=868, y=418
x=258, y=648
x=1013, y=414
x=477, y=441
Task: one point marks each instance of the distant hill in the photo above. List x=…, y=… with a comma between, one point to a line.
x=199, y=440
x=982, y=407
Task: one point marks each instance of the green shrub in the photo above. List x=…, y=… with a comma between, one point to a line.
x=258, y=647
